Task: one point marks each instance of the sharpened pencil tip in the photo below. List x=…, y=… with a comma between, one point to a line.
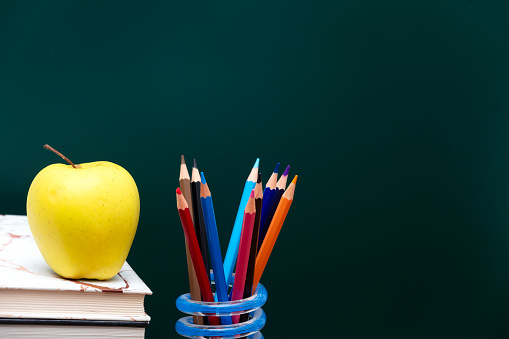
x=257, y=163
x=178, y=191
x=202, y=178
x=252, y=194
x=194, y=163
x=259, y=177
x=277, y=168
x=287, y=170
x=294, y=181
x=182, y=161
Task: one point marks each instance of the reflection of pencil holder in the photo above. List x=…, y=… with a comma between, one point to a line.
x=252, y=305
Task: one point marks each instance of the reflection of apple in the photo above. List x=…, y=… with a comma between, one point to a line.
x=83, y=217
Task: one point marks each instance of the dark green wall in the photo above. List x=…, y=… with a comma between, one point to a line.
x=393, y=113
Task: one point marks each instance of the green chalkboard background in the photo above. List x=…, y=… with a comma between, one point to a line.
x=395, y=115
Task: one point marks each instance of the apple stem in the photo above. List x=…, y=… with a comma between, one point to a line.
x=61, y=155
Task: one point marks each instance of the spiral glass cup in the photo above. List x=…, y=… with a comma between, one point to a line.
x=252, y=305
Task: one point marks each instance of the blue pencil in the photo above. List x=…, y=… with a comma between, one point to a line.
x=276, y=197
x=214, y=247
x=268, y=195
x=233, y=246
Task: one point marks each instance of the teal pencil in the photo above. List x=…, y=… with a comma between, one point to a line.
x=233, y=247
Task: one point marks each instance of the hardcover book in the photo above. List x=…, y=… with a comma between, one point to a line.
x=31, y=293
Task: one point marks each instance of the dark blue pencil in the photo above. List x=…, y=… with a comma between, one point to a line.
x=268, y=194
x=276, y=197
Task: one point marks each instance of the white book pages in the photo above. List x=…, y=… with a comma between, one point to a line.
x=69, y=332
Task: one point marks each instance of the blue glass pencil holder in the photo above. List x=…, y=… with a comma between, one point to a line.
x=251, y=328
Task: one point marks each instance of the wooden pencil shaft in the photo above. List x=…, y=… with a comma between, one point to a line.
x=271, y=183
x=185, y=188
x=194, y=288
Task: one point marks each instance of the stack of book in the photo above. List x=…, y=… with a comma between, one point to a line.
x=35, y=302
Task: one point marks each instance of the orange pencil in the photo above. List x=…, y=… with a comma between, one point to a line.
x=273, y=232
x=194, y=250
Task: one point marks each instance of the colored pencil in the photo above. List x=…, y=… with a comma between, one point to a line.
x=194, y=250
x=268, y=194
x=214, y=246
x=233, y=246
x=248, y=286
x=244, y=247
x=185, y=187
x=276, y=197
x=273, y=232
x=199, y=223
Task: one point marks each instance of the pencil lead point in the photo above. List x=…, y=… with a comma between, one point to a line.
x=194, y=163
x=277, y=168
x=257, y=163
x=203, y=178
x=252, y=194
x=182, y=161
x=287, y=170
x=178, y=191
x=259, y=178
x=294, y=181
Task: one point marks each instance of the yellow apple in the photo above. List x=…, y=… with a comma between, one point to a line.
x=84, y=218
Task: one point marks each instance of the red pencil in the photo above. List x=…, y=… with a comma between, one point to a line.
x=244, y=247
x=194, y=249
x=248, y=285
